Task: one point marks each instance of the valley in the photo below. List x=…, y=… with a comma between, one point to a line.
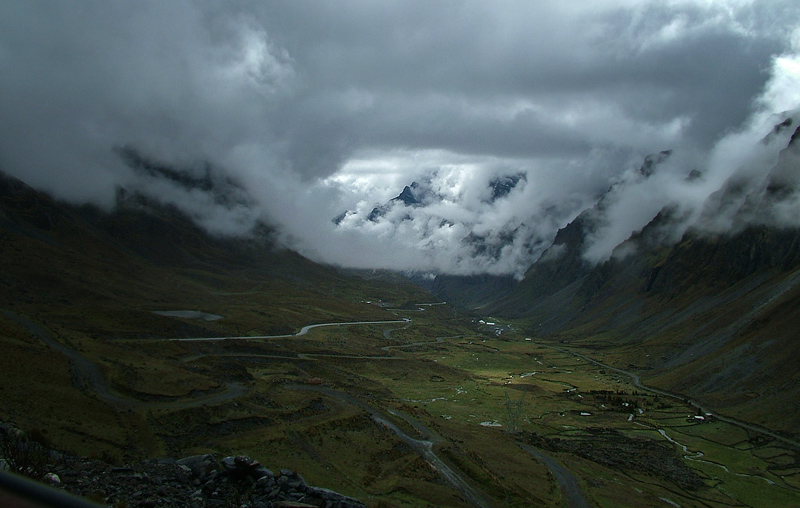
x=135, y=335
x=396, y=413
x=400, y=254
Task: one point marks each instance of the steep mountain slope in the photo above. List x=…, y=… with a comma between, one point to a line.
x=77, y=283
x=469, y=292
x=556, y=271
x=49, y=246
x=713, y=316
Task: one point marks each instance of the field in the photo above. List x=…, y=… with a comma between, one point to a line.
x=427, y=408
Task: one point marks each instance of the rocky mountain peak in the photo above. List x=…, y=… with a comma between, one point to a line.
x=407, y=197
x=652, y=161
x=502, y=185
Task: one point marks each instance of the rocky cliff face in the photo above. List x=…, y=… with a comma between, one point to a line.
x=563, y=270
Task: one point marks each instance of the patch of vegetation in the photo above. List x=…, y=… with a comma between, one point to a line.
x=611, y=448
x=24, y=455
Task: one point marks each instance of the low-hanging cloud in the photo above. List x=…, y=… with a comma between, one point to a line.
x=748, y=178
x=304, y=110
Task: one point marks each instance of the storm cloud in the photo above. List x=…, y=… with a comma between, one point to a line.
x=303, y=110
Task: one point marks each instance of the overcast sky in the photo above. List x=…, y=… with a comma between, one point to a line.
x=310, y=108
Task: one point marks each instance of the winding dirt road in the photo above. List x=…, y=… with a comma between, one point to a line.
x=87, y=376
x=425, y=447
x=566, y=480
x=302, y=331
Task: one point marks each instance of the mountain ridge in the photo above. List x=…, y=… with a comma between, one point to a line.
x=685, y=314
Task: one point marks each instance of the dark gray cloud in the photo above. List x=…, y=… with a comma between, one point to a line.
x=316, y=107
x=437, y=66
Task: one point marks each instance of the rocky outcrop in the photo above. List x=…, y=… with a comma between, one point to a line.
x=199, y=481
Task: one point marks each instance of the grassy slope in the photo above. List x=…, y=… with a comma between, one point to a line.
x=93, y=279
x=712, y=318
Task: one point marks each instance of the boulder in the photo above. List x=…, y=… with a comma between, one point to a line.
x=200, y=465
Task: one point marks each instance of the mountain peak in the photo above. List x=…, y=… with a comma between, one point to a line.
x=652, y=161
x=407, y=196
x=502, y=185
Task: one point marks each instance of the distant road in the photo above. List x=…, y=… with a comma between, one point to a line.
x=302, y=331
x=89, y=377
x=567, y=481
x=424, y=447
x=298, y=356
x=638, y=383
x=388, y=331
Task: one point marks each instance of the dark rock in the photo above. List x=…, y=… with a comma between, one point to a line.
x=296, y=485
x=244, y=462
x=194, y=459
x=261, y=472
x=195, y=482
x=229, y=464
x=292, y=504
x=52, y=479
x=201, y=465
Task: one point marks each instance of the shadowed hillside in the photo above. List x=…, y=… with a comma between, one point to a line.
x=713, y=316
x=86, y=278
